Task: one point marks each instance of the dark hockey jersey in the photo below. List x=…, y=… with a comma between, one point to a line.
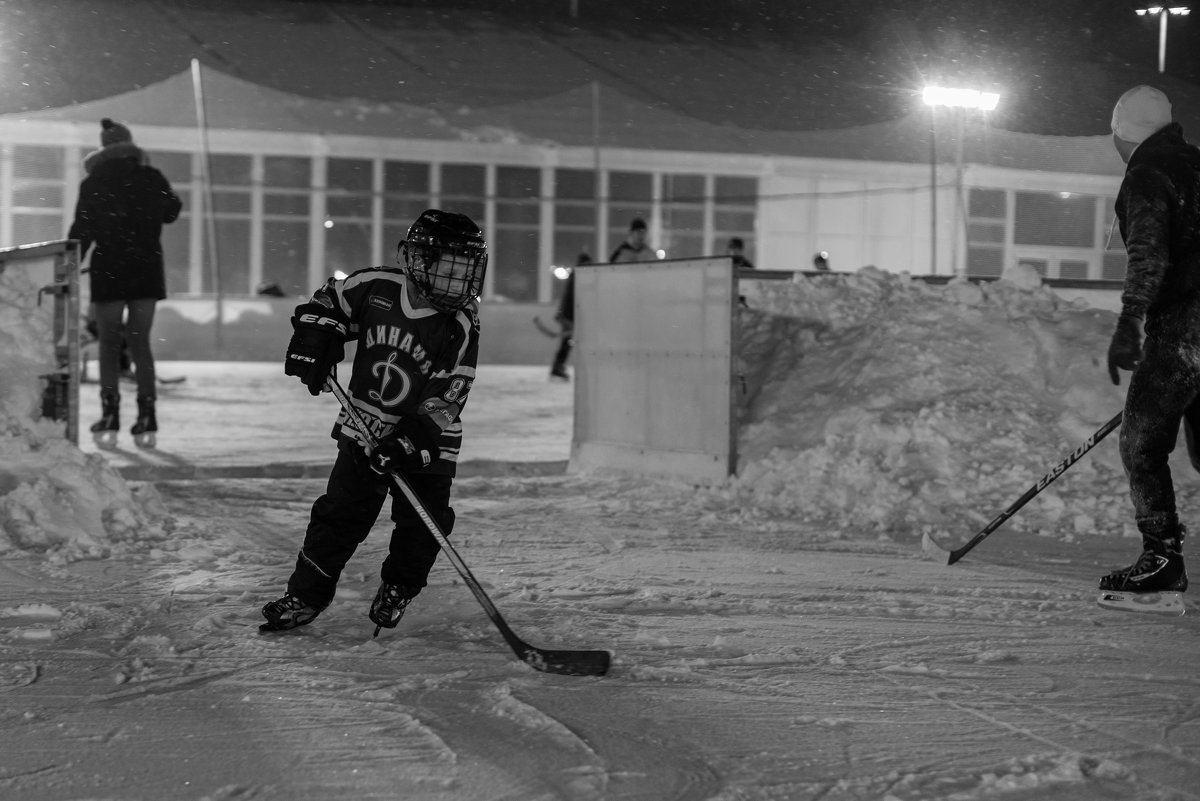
x=410, y=359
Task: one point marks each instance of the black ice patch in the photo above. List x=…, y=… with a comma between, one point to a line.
x=380, y=303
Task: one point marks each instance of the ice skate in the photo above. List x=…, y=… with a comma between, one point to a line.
x=287, y=613
x=1154, y=583
x=389, y=605
x=145, y=430
x=104, y=430
x=559, y=374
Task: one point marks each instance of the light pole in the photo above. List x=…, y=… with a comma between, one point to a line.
x=960, y=99
x=1163, y=12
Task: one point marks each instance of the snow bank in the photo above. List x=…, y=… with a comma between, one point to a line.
x=874, y=402
x=55, y=499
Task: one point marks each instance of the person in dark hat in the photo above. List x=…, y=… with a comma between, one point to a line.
x=736, y=248
x=634, y=248
x=123, y=204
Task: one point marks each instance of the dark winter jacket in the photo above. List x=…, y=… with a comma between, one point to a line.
x=566, y=304
x=123, y=204
x=1158, y=208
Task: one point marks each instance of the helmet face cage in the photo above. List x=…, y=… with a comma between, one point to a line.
x=445, y=256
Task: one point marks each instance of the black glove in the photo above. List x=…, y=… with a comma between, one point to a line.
x=316, y=346
x=411, y=446
x=1125, y=350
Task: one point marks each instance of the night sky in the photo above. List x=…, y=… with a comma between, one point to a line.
x=1059, y=66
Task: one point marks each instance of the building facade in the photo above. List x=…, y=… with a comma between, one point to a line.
x=286, y=191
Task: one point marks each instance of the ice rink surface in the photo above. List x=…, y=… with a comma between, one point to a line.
x=753, y=656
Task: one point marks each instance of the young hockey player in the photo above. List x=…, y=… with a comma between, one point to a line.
x=417, y=336
x=1158, y=208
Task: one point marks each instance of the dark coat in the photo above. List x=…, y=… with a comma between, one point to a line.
x=1158, y=208
x=123, y=204
x=566, y=304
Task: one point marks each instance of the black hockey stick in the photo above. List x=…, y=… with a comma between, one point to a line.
x=938, y=552
x=545, y=329
x=568, y=663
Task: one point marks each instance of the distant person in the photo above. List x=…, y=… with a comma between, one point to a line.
x=416, y=332
x=123, y=205
x=565, y=317
x=736, y=248
x=1158, y=209
x=634, y=248
x=820, y=261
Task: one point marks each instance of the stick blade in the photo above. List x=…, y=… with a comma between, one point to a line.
x=567, y=663
x=934, y=551
x=1158, y=603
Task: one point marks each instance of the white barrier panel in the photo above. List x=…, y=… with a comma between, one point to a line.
x=654, y=368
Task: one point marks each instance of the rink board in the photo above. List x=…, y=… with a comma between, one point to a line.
x=50, y=272
x=654, y=368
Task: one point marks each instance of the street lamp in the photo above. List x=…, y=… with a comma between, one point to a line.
x=1163, y=13
x=960, y=99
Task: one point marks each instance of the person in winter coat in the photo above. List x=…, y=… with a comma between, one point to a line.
x=565, y=317
x=634, y=248
x=123, y=204
x=1158, y=330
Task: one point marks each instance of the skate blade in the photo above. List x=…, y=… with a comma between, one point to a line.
x=1159, y=603
x=146, y=440
x=107, y=440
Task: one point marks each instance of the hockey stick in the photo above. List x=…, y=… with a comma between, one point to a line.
x=568, y=663
x=545, y=329
x=936, y=551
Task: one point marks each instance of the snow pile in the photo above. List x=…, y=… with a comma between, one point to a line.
x=54, y=498
x=878, y=403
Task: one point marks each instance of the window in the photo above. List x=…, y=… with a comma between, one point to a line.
x=518, y=220
x=287, y=197
x=348, y=216
x=405, y=196
x=1057, y=219
x=683, y=202
x=464, y=189
x=629, y=195
x=987, y=217
x=1115, y=259
x=231, y=185
x=37, y=194
x=735, y=204
x=177, y=168
x=574, y=216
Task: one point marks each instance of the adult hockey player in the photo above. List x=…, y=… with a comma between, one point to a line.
x=417, y=336
x=1158, y=209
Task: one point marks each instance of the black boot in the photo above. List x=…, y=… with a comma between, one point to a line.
x=104, y=430
x=388, y=607
x=1160, y=568
x=146, y=427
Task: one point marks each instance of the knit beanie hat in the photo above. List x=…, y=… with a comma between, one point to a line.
x=1140, y=112
x=112, y=133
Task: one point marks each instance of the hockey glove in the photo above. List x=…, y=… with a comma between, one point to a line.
x=1125, y=350
x=412, y=446
x=316, y=346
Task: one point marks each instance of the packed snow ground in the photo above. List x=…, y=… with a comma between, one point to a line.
x=779, y=636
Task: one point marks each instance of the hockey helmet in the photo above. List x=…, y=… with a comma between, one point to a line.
x=446, y=257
